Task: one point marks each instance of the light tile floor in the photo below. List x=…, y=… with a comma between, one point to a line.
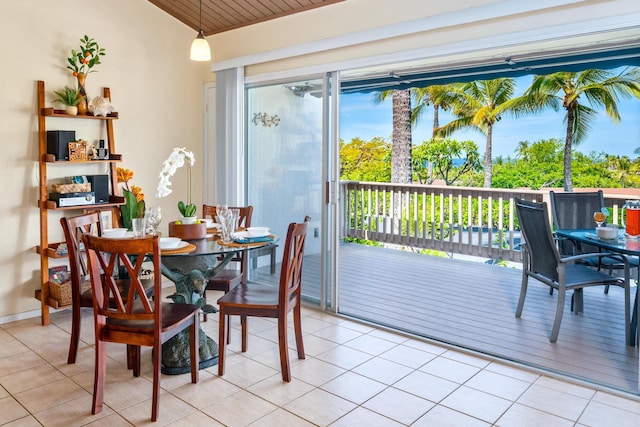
x=354, y=375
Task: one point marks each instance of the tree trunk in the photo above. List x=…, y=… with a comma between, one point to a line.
x=400, y=149
x=568, y=182
x=488, y=161
x=436, y=125
x=401, y=144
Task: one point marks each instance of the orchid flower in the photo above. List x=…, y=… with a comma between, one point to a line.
x=177, y=159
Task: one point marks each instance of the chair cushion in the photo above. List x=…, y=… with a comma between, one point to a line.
x=580, y=275
x=251, y=294
x=225, y=280
x=171, y=312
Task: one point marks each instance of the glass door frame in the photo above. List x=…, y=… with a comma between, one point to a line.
x=329, y=177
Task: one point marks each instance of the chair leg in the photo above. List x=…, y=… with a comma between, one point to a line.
x=243, y=324
x=75, y=333
x=578, y=297
x=134, y=355
x=297, y=326
x=204, y=297
x=221, y=341
x=194, y=342
x=273, y=261
x=155, y=402
x=523, y=294
x=558, y=318
x=284, y=349
x=100, y=371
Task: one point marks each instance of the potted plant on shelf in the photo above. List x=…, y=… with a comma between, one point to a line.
x=70, y=97
x=81, y=62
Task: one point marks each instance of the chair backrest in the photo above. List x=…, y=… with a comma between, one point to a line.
x=575, y=210
x=291, y=271
x=105, y=255
x=244, y=219
x=540, y=244
x=74, y=228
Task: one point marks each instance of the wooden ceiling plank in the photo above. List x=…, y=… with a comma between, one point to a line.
x=224, y=15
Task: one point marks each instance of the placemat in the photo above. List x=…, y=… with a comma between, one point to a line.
x=190, y=247
x=240, y=245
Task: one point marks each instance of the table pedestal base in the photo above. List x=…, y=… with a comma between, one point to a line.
x=176, y=357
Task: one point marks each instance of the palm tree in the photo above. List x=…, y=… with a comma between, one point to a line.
x=479, y=105
x=441, y=97
x=622, y=167
x=600, y=88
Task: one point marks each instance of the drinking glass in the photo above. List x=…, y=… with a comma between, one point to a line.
x=226, y=228
x=138, y=226
x=599, y=218
x=154, y=217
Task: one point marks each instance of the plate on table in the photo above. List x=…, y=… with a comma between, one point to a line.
x=594, y=236
x=180, y=245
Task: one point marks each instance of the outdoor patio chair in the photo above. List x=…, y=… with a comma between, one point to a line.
x=252, y=299
x=133, y=319
x=542, y=261
x=574, y=210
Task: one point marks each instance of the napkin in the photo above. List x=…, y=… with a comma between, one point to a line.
x=245, y=240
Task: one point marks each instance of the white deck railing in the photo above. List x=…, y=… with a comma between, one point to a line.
x=465, y=220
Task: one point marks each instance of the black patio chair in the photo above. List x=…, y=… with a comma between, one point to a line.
x=574, y=210
x=542, y=261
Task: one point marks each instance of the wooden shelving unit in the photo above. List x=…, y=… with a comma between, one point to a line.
x=46, y=249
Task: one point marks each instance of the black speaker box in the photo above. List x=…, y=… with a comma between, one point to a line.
x=58, y=143
x=100, y=186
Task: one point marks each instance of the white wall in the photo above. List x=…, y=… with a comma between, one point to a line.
x=155, y=88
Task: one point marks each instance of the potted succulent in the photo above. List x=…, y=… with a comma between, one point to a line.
x=70, y=97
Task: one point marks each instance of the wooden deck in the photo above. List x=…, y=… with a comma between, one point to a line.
x=472, y=305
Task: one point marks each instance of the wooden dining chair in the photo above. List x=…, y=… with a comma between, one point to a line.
x=81, y=295
x=252, y=299
x=134, y=319
x=229, y=278
x=541, y=260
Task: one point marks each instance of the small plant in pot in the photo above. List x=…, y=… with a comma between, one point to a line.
x=70, y=97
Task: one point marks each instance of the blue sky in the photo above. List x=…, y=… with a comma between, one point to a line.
x=361, y=117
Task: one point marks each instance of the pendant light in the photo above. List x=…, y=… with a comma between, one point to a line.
x=200, y=50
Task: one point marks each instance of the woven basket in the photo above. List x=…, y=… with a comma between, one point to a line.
x=61, y=292
x=71, y=188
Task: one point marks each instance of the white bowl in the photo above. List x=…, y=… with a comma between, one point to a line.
x=607, y=233
x=169, y=242
x=258, y=231
x=114, y=232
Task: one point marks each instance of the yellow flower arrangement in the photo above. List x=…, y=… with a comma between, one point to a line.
x=134, y=205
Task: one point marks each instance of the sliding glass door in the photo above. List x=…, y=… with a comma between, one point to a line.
x=285, y=171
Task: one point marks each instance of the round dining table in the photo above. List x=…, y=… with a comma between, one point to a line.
x=190, y=266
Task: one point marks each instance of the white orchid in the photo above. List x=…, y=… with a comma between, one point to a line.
x=169, y=167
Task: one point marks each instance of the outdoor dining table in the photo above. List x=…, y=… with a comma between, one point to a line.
x=623, y=246
x=190, y=266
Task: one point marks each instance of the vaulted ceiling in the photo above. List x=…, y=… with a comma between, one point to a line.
x=224, y=15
